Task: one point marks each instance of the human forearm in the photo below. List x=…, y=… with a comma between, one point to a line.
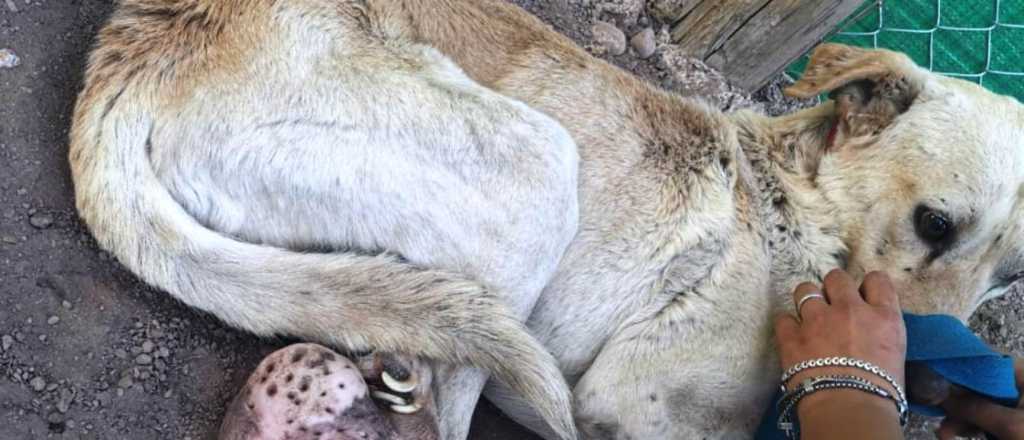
x=848, y=415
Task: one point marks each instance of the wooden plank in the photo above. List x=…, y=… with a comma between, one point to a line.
x=671, y=11
x=711, y=22
x=776, y=36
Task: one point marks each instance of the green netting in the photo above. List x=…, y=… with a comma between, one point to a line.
x=977, y=40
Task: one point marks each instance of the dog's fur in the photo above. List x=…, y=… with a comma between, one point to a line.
x=420, y=176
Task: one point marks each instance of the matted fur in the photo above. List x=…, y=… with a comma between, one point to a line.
x=403, y=175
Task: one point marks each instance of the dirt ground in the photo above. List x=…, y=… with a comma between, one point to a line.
x=89, y=352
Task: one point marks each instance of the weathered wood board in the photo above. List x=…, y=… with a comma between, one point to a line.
x=751, y=41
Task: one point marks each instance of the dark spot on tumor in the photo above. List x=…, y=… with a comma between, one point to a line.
x=653, y=397
x=297, y=402
x=781, y=228
x=880, y=251
x=251, y=405
x=341, y=385
x=304, y=383
x=323, y=394
x=298, y=355
x=272, y=390
x=329, y=410
x=263, y=379
x=327, y=371
x=305, y=292
x=907, y=269
x=290, y=421
x=289, y=378
x=291, y=395
x=270, y=368
x=303, y=429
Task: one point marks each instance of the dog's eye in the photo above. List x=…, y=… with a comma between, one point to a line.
x=933, y=226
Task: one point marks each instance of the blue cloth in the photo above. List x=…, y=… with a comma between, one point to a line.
x=950, y=349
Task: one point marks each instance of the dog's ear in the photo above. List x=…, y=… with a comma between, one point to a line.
x=870, y=87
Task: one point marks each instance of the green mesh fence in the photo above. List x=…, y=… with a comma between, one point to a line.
x=976, y=40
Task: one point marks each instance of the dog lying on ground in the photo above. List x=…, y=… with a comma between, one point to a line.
x=421, y=178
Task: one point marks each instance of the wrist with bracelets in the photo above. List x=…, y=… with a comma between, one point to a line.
x=791, y=397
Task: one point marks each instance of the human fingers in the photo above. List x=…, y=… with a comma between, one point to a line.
x=809, y=301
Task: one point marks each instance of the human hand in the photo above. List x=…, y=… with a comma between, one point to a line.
x=864, y=323
x=968, y=414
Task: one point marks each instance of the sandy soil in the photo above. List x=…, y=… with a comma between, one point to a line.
x=88, y=352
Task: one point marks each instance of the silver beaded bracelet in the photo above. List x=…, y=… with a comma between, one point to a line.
x=843, y=362
x=788, y=403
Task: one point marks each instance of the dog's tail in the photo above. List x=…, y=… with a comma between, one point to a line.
x=348, y=300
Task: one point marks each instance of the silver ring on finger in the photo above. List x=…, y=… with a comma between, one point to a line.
x=808, y=297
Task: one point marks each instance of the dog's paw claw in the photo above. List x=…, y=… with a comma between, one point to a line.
x=406, y=385
x=406, y=409
x=389, y=398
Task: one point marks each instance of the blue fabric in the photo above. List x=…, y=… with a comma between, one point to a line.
x=950, y=349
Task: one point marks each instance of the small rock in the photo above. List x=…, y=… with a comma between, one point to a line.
x=53, y=320
x=66, y=397
x=66, y=304
x=55, y=417
x=126, y=381
x=609, y=37
x=6, y=342
x=121, y=353
x=144, y=359
x=41, y=221
x=8, y=59
x=147, y=346
x=10, y=5
x=9, y=239
x=38, y=383
x=644, y=43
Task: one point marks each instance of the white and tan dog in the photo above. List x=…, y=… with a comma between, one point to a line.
x=421, y=177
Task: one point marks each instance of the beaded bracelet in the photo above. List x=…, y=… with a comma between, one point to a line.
x=787, y=404
x=843, y=362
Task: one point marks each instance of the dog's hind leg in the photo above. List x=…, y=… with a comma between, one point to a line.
x=402, y=155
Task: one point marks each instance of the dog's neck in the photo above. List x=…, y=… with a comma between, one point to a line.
x=802, y=224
